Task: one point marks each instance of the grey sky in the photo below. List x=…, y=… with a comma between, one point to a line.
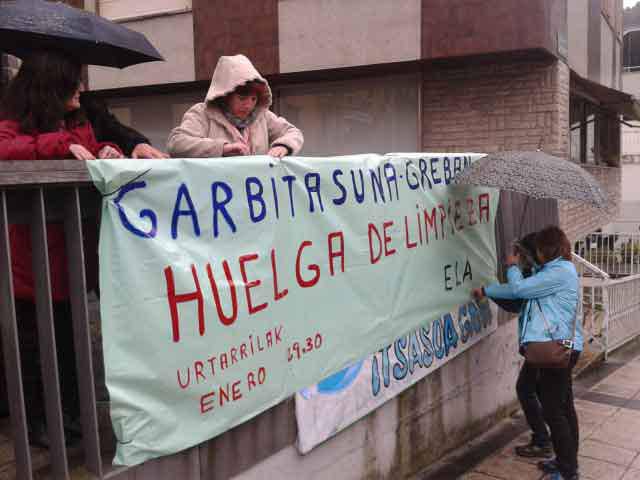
x=630, y=3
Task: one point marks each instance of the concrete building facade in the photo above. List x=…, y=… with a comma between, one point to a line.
x=454, y=75
x=405, y=75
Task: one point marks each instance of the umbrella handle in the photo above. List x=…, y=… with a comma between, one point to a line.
x=524, y=213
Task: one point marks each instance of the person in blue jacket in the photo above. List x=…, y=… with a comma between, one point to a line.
x=550, y=311
x=527, y=383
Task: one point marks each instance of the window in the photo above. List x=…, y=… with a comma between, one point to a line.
x=583, y=125
x=631, y=50
x=594, y=133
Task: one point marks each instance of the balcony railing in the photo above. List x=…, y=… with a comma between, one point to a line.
x=618, y=254
x=36, y=193
x=41, y=192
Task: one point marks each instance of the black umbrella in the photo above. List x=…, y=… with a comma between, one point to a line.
x=28, y=25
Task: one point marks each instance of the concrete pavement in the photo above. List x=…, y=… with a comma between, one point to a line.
x=608, y=406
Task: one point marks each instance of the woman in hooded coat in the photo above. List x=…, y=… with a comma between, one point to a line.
x=234, y=119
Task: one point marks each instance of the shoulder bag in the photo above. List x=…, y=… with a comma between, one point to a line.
x=551, y=353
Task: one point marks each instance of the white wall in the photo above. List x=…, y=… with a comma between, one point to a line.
x=354, y=32
x=378, y=115
x=173, y=37
x=608, y=50
x=578, y=24
x=123, y=9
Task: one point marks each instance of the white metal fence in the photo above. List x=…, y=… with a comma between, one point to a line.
x=624, y=311
x=617, y=254
x=595, y=304
x=611, y=306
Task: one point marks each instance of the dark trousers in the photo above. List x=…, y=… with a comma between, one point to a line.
x=527, y=388
x=31, y=364
x=556, y=396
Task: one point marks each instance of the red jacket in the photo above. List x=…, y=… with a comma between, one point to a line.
x=15, y=145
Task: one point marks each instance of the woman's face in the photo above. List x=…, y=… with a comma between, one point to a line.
x=241, y=106
x=540, y=257
x=73, y=103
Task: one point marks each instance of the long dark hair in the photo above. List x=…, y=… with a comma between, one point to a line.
x=36, y=97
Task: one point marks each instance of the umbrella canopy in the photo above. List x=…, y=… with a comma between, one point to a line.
x=537, y=175
x=28, y=25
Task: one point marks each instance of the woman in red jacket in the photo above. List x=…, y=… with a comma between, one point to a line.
x=41, y=119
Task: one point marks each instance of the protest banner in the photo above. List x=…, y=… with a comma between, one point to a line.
x=227, y=285
x=336, y=402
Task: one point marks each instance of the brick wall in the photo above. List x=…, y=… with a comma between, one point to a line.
x=507, y=106
x=579, y=220
x=492, y=107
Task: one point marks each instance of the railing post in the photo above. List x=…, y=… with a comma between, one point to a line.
x=47, y=338
x=606, y=309
x=82, y=332
x=11, y=349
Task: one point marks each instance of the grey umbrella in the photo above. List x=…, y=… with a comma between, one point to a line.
x=28, y=25
x=537, y=175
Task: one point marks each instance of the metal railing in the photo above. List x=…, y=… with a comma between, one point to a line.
x=30, y=194
x=38, y=193
x=624, y=311
x=618, y=254
x=611, y=306
x=595, y=303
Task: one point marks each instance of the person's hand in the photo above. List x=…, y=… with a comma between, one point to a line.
x=80, y=152
x=278, y=151
x=144, y=150
x=234, y=149
x=109, y=152
x=478, y=293
x=513, y=259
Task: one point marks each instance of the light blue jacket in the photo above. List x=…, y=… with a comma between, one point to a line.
x=555, y=287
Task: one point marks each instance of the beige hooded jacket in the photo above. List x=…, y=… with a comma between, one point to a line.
x=205, y=130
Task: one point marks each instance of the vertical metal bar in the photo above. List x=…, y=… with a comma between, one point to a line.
x=46, y=338
x=606, y=308
x=583, y=133
x=82, y=332
x=11, y=349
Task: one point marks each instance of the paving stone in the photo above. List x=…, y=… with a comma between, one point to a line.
x=599, y=470
x=616, y=436
x=587, y=429
x=632, y=475
x=625, y=419
x=592, y=408
x=616, y=389
x=508, y=468
x=479, y=476
x=592, y=448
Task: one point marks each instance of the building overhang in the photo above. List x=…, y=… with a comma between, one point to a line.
x=606, y=98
